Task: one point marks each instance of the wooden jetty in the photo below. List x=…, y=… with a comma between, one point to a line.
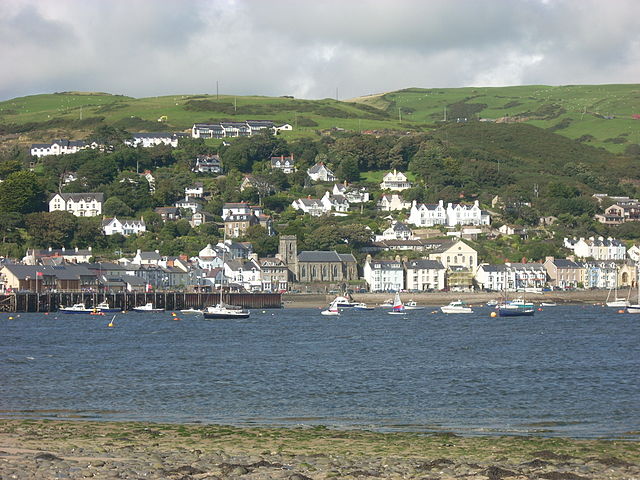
x=50, y=302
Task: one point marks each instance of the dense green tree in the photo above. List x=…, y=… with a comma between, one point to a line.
x=9, y=224
x=7, y=167
x=97, y=171
x=21, y=192
x=88, y=233
x=132, y=189
x=115, y=207
x=348, y=169
x=51, y=229
x=263, y=244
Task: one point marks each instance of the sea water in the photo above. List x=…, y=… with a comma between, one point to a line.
x=571, y=371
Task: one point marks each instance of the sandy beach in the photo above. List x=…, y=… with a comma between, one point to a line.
x=40, y=449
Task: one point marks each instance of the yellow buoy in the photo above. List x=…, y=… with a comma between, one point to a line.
x=494, y=314
x=10, y=318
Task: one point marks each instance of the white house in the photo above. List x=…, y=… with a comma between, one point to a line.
x=491, y=277
x=208, y=258
x=245, y=273
x=396, y=231
x=146, y=258
x=597, y=248
x=353, y=195
x=384, y=275
x=208, y=164
x=429, y=215
x=392, y=202
x=395, y=181
x=424, y=275
x=312, y=206
x=57, y=147
x=237, y=208
x=285, y=164
x=80, y=204
x=321, y=173
x=335, y=203
x=194, y=191
x=147, y=140
x=123, y=227
x=193, y=204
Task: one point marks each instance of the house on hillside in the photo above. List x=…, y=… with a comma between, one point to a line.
x=395, y=181
x=58, y=147
x=284, y=164
x=147, y=140
x=124, y=227
x=392, y=202
x=79, y=204
x=208, y=164
x=321, y=173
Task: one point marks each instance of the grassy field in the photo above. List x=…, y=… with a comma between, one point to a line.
x=600, y=115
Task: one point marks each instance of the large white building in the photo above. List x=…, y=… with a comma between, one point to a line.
x=429, y=215
x=147, y=140
x=233, y=129
x=57, y=147
x=424, y=275
x=384, y=275
x=321, y=173
x=79, y=204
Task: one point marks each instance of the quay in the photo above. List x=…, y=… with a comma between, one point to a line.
x=51, y=301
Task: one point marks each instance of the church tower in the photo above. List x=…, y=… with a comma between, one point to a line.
x=288, y=253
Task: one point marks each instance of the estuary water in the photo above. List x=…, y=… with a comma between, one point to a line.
x=569, y=370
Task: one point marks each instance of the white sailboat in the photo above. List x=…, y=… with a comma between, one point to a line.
x=636, y=307
x=398, y=307
x=332, y=310
x=617, y=302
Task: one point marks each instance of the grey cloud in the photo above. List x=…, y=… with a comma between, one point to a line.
x=310, y=48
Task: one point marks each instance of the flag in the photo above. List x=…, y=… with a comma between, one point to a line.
x=39, y=274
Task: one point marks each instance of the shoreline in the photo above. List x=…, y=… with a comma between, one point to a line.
x=90, y=449
x=437, y=299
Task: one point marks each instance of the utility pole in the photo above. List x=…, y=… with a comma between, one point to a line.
x=216, y=89
x=399, y=114
x=445, y=113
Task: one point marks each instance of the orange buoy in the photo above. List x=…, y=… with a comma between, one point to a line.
x=493, y=315
x=620, y=311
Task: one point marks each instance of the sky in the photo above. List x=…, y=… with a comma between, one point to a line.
x=312, y=48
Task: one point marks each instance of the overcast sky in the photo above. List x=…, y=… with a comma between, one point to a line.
x=312, y=48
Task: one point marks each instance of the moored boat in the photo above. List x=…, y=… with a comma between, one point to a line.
x=104, y=307
x=412, y=305
x=332, y=310
x=223, y=311
x=343, y=301
x=456, y=306
x=76, y=308
x=362, y=306
x=148, y=307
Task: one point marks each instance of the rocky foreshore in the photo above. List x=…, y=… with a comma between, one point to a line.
x=41, y=449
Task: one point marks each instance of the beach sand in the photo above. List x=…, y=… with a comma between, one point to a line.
x=41, y=449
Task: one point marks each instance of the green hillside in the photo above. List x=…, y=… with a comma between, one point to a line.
x=595, y=115
x=41, y=117
x=599, y=115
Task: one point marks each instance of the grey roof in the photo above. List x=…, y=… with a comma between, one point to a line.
x=316, y=168
x=149, y=256
x=424, y=264
x=494, y=268
x=153, y=135
x=387, y=264
x=63, y=272
x=309, y=202
x=347, y=257
x=565, y=263
x=76, y=197
x=319, y=256
x=439, y=247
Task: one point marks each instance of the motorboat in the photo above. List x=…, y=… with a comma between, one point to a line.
x=76, y=308
x=191, y=311
x=412, y=305
x=104, y=307
x=148, y=307
x=516, y=309
x=548, y=304
x=344, y=302
x=456, y=306
x=387, y=303
x=362, y=306
x=398, y=306
x=491, y=303
x=223, y=311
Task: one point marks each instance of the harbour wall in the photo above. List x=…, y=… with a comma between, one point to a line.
x=50, y=302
